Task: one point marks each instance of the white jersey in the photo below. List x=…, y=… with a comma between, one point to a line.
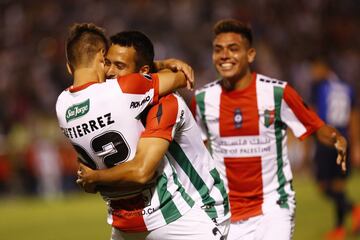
x=187, y=159
x=247, y=134
x=101, y=121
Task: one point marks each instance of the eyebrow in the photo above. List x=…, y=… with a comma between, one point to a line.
x=227, y=45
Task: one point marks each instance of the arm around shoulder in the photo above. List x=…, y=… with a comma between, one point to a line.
x=170, y=81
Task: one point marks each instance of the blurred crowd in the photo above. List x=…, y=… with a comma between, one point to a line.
x=36, y=159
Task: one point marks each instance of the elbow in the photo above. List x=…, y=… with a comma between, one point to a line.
x=143, y=176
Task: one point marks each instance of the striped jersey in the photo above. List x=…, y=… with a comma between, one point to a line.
x=187, y=160
x=247, y=134
x=102, y=121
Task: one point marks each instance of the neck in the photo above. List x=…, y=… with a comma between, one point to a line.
x=238, y=84
x=85, y=75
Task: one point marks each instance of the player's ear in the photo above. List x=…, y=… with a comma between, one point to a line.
x=145, y=69
x=251, y=54
x=68, y=67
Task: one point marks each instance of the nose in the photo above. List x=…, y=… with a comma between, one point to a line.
x=110, y=72
x=224, y=54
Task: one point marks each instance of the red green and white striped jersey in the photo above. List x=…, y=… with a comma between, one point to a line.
x=247, y=134
x=102, y=121
x=187, y=159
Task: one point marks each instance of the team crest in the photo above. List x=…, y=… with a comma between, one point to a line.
x=77, y=110
x=238, y=119
x=269, y=117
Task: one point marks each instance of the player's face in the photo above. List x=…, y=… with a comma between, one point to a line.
x=120, y=61
x=232, y=56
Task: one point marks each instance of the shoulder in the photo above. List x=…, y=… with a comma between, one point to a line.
x=172, y=100
x=269, y=81
x=212, y=86
x=137, y=83
x=62, y=97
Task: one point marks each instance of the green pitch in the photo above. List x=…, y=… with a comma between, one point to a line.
x=83, y=216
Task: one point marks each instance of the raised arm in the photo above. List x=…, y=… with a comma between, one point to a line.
x=177, y=65
x=170, y=81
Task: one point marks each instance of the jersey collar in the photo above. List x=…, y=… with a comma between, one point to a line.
x=73, y=89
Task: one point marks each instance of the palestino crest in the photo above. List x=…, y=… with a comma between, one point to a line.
x=268, y=117
x=238, y=118
x=77, y=110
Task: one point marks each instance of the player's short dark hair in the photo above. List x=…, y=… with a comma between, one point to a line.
x=83, y=42
x=140, y=42
x=234, y=26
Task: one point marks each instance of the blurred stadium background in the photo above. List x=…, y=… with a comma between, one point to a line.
x=38, y=196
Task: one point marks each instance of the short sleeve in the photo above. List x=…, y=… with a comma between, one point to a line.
x=163, y=118
x=297, y=115
x=137, y=83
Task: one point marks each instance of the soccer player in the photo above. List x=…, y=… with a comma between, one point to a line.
x=101, y=121
x=244, y=117
x=171, y=128
x=334, y=101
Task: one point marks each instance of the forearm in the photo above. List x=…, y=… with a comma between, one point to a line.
x=131, y=171
x=170, y=81
x=159, y=65
x=328, y=135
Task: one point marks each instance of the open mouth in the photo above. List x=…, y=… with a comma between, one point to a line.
x=226, y=66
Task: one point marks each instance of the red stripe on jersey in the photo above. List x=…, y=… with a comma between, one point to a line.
x=239, y=104
x=139, y=84
x=193, y=106
x=81, y=87
x=306, y=116
x=128, y=213
x=245, y=187
x=162, y=118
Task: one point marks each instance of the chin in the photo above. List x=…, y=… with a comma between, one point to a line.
x=227, y=75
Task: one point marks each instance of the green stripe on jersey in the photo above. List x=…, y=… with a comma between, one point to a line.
x=167, y=206
x=278, y=94
x=219, y=184
x=181, y=158
x=200, y=101
x=181, y=189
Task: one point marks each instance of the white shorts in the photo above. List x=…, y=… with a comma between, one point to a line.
x=277, y=224
x=195, y=224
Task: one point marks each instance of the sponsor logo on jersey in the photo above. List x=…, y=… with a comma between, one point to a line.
x=238, y=118
x=136, y=104
x=77, y=110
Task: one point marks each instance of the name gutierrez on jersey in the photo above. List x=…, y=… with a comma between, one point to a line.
x=88, y=127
